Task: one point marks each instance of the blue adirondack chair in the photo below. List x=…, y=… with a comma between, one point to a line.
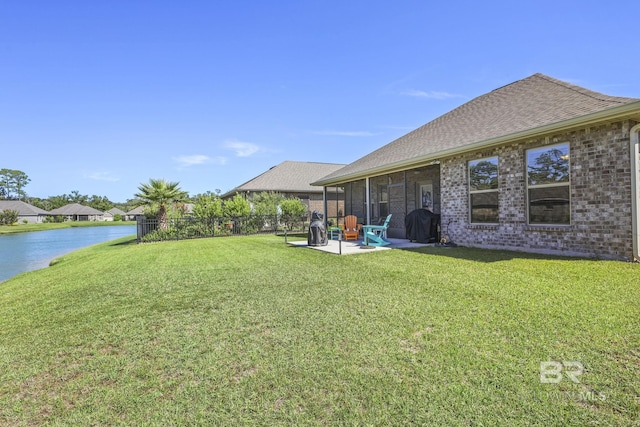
x=374, y=235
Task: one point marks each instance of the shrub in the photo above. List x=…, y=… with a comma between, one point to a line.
x=236, y=208
x=8, y=217
x=160, y=234
x=293, y=210
x=52, y=219
x=265, y=209
x=208, y=206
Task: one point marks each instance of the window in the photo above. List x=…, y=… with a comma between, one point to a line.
x=483, y=190
x=548, y=184
x=383, y=201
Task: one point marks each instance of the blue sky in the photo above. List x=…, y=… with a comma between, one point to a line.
x=99, y=97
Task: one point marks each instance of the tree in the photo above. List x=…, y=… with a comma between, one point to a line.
x=102, y=203
x=237, y=207
x=207, y=206
x=162, y=193
x=483, y=176
x=292, y=210
x=552, y=166
x=266, y=204
x=8, y=217
x=58, y=201
x=12, y=182
x=76, y=197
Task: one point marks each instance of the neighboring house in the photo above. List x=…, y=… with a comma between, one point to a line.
x=539, y=165
x=78, y=212
x=111, y=213
x=25, y=211
x=293, y=179
x=133, y=214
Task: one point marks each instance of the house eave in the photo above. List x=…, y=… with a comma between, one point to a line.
x=627, y=111
x=257, y=190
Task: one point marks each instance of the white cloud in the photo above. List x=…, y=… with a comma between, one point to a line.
x=242, y=149
x=198, y=159
x=103, y=176
x=344, y=133
x=219, y=160
x=430, y=94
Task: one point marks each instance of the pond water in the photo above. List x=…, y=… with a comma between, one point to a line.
x=29, y=251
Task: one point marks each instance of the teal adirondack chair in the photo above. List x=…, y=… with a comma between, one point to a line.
x=374, y=235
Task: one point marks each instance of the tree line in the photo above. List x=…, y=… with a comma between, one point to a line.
x=161, y=198
x=164, y=199
x=13, y=183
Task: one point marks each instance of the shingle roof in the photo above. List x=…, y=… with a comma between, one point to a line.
x=21, y=207
x=289, y=176
x=75, y=209
x=116, y=211
x=136, y=211
x=534, y=102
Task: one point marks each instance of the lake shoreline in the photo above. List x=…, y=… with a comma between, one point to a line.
x=23, y=252
x=28, y=228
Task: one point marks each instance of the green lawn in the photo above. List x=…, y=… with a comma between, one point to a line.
x=251, y=331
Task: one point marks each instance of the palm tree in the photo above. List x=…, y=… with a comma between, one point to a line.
x=162, y=193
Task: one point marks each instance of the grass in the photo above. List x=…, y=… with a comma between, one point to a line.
x=23, y=228
x=250, y=331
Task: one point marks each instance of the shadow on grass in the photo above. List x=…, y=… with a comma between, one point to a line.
x=131, y=241
x=486, y=255
x=300, y=234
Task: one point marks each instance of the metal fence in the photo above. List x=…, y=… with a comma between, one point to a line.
x=151, y=230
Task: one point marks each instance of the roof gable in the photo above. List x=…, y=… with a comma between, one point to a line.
x=288, y=176
x=115, y=211
x=75, y=209
x=139, y=210
x=524, y=105
x=21, y=207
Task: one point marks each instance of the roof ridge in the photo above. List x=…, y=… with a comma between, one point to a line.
x=310, y=162
x=581, y=90
x=286, y=176
x=503, y=86
x=534, y=104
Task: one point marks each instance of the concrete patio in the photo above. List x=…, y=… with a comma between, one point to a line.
x=356, y=247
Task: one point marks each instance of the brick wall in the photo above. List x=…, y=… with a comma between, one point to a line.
x=600, y=197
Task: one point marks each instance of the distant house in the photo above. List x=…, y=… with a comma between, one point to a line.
x=25, y=211
x=134, y=213
x=293, y=179
x=538, y=165
x=185, y=208
x=78, y=212
x=111, y=213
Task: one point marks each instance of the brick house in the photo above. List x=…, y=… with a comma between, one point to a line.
x=30, y=213
x=538, y=165
x=78, y=212
x=293, y=179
